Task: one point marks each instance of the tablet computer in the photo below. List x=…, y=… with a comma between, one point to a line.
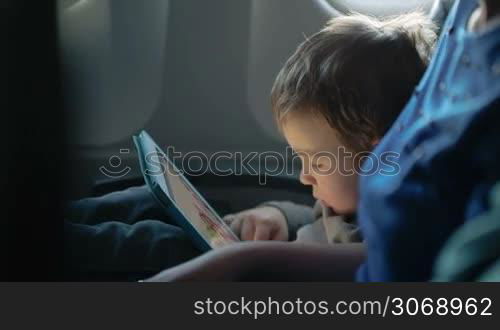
x=179, y=198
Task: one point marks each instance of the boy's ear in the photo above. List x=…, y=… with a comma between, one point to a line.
x=375, y=142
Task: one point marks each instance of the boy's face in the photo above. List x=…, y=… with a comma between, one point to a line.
x=326, y=164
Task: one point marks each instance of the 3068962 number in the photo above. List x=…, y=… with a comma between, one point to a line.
x=442, y=306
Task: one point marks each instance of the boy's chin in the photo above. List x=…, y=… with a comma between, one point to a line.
x=329, y=205
x=337, y=210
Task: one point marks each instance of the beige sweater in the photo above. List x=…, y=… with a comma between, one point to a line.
x=317, y=224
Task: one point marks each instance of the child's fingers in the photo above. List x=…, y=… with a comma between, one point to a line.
x=236, y=224
x=247, y=230
x=262, y=233
x=229, y=218
x=279, y=234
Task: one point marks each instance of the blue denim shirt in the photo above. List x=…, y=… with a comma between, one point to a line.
x=448, y=142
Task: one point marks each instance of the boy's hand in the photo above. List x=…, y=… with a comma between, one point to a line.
x=265, y=223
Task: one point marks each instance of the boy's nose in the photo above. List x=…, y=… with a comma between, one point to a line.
x=307, y=179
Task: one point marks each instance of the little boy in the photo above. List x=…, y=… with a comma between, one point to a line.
x=334, y=99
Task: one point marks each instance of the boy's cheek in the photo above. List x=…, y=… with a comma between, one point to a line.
x=340, y=195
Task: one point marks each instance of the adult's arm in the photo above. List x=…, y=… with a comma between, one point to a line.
x=270, y=261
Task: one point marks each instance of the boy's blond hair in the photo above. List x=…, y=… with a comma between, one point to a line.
x=358, y=73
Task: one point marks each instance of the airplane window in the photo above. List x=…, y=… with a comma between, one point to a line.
x=112, y=64
x=380, y=8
